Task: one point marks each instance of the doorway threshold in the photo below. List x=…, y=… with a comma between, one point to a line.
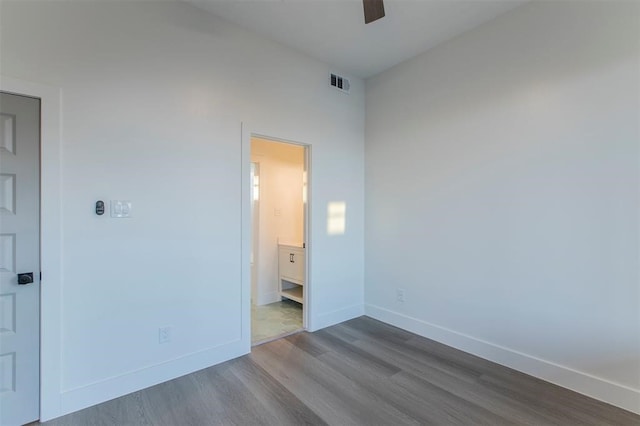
x=279, y=336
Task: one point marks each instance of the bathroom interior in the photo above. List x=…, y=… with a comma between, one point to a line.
x=278, y=267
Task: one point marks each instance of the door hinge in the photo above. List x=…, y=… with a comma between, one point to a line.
x=40, y=276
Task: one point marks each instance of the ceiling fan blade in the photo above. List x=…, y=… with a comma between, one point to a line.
x=373, y=10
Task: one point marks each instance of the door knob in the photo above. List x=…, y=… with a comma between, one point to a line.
x=26, y=278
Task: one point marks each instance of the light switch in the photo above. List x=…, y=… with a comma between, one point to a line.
x=120, y=208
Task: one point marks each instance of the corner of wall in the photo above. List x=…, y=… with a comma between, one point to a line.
x=335, y=317
x=586, y=384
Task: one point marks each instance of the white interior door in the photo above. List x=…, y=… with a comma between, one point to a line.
x=19, y=259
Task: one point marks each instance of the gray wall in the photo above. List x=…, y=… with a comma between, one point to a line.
x=502, y=194
x=153, y=96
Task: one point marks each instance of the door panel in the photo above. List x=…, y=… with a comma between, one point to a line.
x=291, y=264
x=19, y=253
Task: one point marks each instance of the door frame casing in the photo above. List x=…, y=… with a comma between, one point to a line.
x=50, y=239
x=255, y=227
x=247, y=133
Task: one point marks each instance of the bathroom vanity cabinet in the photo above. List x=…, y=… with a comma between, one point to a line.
x=291, y=272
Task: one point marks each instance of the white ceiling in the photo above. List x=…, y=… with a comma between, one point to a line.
x=334, y=32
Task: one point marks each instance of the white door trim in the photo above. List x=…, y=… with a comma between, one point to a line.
x=245, y=238
x=245, y=232
x=50, y=240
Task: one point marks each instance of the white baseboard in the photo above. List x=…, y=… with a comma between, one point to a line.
x=114, y=387
x=581, y=382
x=336, y=317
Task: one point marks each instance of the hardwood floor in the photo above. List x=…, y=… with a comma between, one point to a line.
x=361, y=372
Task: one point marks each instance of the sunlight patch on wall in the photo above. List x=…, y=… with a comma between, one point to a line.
x=336, y=217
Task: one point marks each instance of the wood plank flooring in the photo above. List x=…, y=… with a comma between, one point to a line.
x=361, y=372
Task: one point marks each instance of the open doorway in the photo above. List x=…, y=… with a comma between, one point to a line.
x=278, y=241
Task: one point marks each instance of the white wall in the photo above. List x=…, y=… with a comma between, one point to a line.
x=281, y=211
x=502, y=193
x=153, y=96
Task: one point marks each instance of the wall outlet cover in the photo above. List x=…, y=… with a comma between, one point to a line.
x=164, y=334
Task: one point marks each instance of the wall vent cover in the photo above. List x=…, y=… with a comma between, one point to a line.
x=339, y=83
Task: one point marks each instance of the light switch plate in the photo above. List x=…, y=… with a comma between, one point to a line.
x=120, y=208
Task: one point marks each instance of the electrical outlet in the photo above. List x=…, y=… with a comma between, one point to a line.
x=400, y=295
x=164, y=334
